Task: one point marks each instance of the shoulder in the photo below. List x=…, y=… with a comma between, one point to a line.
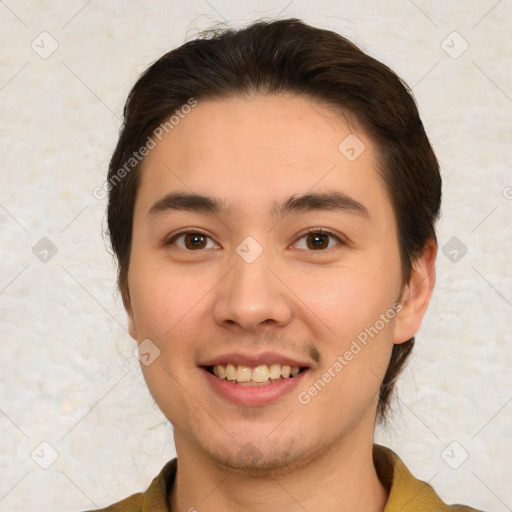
x=131, y=504
x=154, y=499
x=406, y=493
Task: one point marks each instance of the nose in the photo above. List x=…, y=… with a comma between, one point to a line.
x=252, y=295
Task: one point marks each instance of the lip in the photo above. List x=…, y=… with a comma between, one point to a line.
x=253, y=396
x=253, y=360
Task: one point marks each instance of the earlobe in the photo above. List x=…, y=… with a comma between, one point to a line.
x=417, y=294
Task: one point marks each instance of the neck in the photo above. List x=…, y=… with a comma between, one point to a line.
x=342, y=478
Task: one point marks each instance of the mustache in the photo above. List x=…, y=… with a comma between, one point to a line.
x=269, y=341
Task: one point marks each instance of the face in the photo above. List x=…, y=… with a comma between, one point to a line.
x=285, y=259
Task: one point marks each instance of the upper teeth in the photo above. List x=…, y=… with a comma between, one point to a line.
x=261, y=373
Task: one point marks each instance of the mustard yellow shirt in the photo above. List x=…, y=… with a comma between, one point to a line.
x=406, y=493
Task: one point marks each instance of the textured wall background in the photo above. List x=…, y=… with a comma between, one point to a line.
x=69, y=379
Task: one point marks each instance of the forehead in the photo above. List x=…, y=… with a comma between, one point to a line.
x=248, y=150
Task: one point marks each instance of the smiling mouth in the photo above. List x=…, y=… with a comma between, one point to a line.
x=258, y=375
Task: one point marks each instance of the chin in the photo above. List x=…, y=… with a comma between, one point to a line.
x=256, y=460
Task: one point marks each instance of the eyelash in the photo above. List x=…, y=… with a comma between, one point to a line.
x=321, y=231
x=172, y=241
x=309, y=231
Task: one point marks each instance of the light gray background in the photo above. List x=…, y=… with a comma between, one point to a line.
x=68, y=375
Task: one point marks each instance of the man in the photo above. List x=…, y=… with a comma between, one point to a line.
x=272, y=201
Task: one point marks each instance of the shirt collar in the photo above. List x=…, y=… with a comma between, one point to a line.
x=406, y=493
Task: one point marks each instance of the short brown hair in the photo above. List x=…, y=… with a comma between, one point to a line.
x=288, y=56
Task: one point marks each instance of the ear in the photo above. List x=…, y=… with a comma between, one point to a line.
x=416, y=295
x=127, y=303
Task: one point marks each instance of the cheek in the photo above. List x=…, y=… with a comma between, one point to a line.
x=164, y=298
x=351, y=298
x=170, y=310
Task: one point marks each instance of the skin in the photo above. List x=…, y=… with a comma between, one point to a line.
x=195, y=304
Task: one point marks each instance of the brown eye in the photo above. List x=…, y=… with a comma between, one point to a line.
x=318, y=240
x=195, y=241
x=191, y=241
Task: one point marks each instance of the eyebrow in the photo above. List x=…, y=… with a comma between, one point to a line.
x=188, y=202
x=331, y=201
